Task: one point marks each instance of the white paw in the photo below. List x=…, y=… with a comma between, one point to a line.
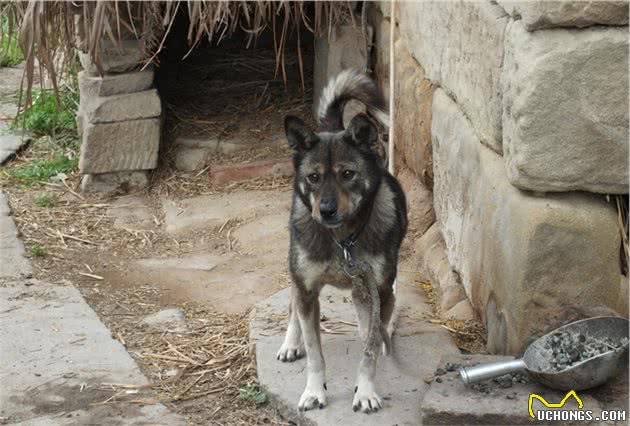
x=290, y=352
x=366, y=399
x=313, y=397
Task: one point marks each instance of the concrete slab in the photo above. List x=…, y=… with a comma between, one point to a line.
x=230, y=282
x=190, y=263
x=131, y=212
x=13, y=264
x=56, y=356
x=496, y=401
x=418, y=347
x=213, y=210
x=267, y=236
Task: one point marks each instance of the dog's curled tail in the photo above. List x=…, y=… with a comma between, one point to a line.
x=347, y=85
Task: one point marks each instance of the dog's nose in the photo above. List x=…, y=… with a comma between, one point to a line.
x=328, y=208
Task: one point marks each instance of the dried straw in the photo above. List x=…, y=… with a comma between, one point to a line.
x=49, y=31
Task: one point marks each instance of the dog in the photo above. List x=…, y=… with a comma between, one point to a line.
x=348, y=219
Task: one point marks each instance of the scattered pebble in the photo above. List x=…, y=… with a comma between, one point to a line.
x=452, y=366
x=481, y=387
x=564, y=349
x=440, y=372
x=438, y=379
x=504, y=382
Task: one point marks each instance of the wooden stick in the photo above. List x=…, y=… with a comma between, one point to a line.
x=390, y=146
x=96, y=277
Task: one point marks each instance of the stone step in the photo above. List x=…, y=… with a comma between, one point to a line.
x=202, y=213
x=418, y=347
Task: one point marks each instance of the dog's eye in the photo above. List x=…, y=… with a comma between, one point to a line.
x=313, y=178
x=348, y=174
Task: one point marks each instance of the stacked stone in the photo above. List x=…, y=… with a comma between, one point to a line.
x=118, y=119
x=525, y=134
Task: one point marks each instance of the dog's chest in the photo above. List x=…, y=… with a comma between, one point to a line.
x=315, y=272
x=334, y=270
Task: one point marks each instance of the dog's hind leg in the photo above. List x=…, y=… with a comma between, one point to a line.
x=314, y=395
x=293, y=347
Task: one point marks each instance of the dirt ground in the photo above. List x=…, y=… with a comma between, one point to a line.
x=86, y=246
x=136, y=254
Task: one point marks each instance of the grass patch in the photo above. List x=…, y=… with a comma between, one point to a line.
x=10, y=52
x=45, y=200
x=45, y=118
x=253, y=393
x=42, y=170
x=38, y=251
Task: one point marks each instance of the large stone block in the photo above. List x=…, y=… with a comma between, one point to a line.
x=540, y=14
x=460, y=47
x=116, y=84
x=525, y=261
x=435, y=267
x=412, y=130
x=124, y=56
x=345, y=48
x=115, y=183
x=565, y=109
x=122, y=146
x=132, y=106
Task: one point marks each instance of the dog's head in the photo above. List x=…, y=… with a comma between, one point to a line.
x=336, y=174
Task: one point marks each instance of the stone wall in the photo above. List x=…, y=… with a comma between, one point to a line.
x=118, y=119
x=518, y=114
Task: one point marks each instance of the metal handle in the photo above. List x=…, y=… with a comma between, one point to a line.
x=482, y=372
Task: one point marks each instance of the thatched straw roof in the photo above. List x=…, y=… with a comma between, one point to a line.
x=48, y=30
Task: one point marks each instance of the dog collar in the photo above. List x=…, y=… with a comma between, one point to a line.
x=346, y=245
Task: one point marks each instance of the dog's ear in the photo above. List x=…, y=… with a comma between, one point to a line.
x=362, y=132
x=300, y=137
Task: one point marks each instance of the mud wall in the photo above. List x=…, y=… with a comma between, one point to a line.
x=516, y=115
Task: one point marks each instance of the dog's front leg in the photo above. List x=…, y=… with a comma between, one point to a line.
x=293, y=347
x=367, y=304
x=314, y=394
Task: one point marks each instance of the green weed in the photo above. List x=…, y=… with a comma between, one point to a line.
x=45, y=200
x=252, y=392
x=42, y=170
x=10, y=52
x=38, y=251
x=45, y=118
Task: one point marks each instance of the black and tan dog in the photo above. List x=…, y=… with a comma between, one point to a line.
x=348, y=219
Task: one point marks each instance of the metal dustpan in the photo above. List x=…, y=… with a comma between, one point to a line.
x=585, y=374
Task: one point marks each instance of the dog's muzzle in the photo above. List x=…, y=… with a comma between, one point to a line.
x=329, y=213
